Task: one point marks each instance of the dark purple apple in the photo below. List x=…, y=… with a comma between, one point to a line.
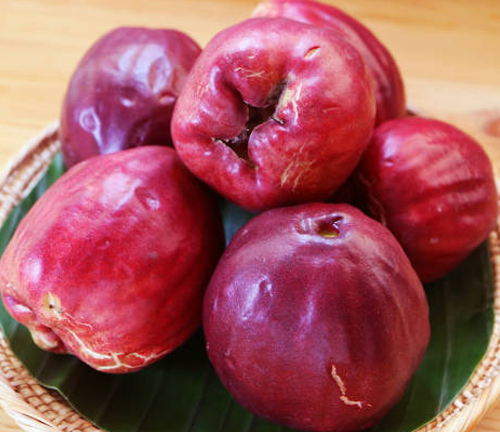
x=433, y=187
x=389, y=89
x=315, y=319
x=111, y=263
x=123, y=92
x=275, y=112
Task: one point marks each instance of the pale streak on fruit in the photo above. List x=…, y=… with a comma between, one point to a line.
x=151, y=356
x=91, y=353
x=305, y=166
x=202, y=90
x=117, y=363
x=286, y=173
x=249, y=73
x=296, y=164
x=343, y=390
x=292, y=96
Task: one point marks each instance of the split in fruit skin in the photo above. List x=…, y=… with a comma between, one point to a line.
x=257, y=116
x=274, y=112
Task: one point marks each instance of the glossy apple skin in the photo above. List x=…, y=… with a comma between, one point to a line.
x=433, y=187
x=111, y=263
x=123, y=92
x=314, y=332
x=389, y=88
x=274, y=112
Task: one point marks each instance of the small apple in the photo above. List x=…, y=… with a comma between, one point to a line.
x=315, y=319
x=274, y=112
x=389, y=88
x=433, y=187
x=123, y=92
x=111, y=263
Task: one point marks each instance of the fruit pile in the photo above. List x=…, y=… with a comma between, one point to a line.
x=314, y=314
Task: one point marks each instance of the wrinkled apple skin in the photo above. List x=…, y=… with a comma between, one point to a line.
x=313, y=331
x=111, y=263
x=123, y=92
x=389, y=88
x=433, y=187
x=274, y=112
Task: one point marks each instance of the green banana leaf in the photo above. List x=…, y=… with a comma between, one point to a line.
x=182, y=393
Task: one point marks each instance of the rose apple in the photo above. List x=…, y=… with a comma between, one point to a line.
x=389, y=89
x=433, y=187
x=111, y=263
x=123, y=92
x=315, y=319
x=274, y=112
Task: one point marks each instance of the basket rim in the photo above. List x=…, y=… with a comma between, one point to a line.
x=36, y=408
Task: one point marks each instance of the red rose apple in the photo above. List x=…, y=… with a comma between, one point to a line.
x=389, y=89
x=123, y=92
x=274, y=112
x=433, y=187
x=315, y=319
x=112, y=262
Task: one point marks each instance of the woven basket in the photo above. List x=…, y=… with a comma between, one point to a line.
x=36, y=408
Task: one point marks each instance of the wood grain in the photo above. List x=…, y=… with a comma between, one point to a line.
x=448, y=52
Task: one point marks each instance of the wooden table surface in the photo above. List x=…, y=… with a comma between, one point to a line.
x=448, y=52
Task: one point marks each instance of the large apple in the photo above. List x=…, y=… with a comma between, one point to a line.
x=111, y=263
x=274, y=112
x=123, y=92
x=389, y=89
x=433, y=187
x=315, y=319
